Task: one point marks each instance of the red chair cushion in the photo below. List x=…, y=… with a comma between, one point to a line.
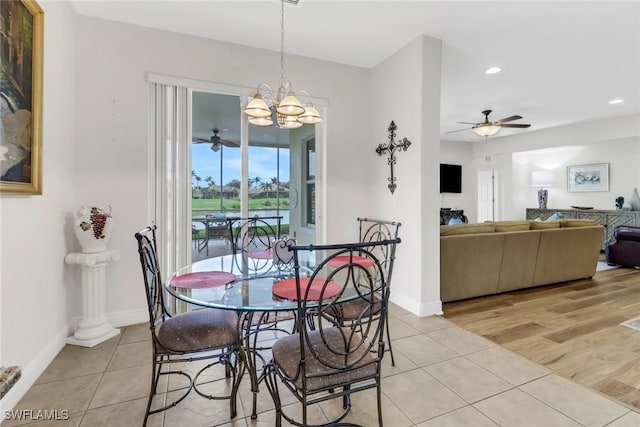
x=286, y=289
x=202, y=279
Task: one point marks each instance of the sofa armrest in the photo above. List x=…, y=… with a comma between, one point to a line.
x=625, y=232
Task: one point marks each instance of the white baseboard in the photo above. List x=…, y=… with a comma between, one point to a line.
x=414, y=306
x=129, y=317
x=430, y=308
x=117, y=319
x=33, y=370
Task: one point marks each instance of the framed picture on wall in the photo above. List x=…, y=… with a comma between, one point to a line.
x=21, y=47
x=583, y=178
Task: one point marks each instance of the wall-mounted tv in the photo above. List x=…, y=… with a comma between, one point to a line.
x=450, y=178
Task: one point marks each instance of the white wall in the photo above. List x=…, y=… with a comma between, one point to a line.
x=111, y=130
x=623, y=158
x=406, y=89
x=615, y=141
x=461, y=153
x=35, y=233
x=96, y=151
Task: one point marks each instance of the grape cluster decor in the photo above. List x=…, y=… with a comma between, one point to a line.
x=93, y=227
x=97, y=221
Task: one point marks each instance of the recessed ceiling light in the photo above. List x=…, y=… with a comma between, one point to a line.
x=493, y=70
x=616, y=101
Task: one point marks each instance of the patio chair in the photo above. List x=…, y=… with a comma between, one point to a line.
x=186, y=337
x=325, y=361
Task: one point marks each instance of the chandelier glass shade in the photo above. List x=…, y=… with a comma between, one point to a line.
x=282, y=108
x=486, y=130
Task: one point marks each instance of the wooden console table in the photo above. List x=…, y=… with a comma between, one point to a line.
x=609, y=219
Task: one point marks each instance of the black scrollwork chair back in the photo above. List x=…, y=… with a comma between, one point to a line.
x=253, y=236
x=186, y=337
x=371, y=231
x=323, y=361
x=282, y=256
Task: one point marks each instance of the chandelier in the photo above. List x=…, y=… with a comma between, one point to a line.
x=283, y=105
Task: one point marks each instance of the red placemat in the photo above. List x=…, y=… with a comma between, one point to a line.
x=260, y=254
x=202, y=279
x=286, y=289
x=341, y=260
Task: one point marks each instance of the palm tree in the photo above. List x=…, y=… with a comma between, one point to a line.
x=266, y=187
x=257, y=181
x=209, y=180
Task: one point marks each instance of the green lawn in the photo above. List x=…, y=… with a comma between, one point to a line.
x=234, y=204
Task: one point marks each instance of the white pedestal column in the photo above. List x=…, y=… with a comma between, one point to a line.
x=94, y=327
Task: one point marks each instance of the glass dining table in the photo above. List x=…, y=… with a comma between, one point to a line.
x=245, y=284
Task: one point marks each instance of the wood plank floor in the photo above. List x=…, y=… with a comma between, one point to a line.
x=571, y=328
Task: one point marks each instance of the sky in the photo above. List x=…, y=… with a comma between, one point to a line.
x=262, y=163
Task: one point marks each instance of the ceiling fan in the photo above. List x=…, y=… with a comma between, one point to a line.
x=216, y=141
x=488, y=128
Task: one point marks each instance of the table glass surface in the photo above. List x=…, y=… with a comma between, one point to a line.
x=252, y=289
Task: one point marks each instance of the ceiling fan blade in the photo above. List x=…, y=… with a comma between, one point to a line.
x=201, y=141
x=518, y=125
x=460, y=130
x=468, y=123
x=509, y=119
x=228, y=143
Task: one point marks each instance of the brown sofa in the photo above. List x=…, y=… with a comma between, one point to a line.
x=494, y=257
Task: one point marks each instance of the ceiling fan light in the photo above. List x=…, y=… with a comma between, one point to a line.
x=290, y=106
x=486, y=130
x=310, y=115
x=257, y=107
x=261, y=121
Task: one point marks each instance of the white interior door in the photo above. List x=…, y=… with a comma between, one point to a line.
x=486, y=195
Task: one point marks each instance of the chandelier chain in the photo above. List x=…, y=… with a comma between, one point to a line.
x=281, y=41
x=284, y=106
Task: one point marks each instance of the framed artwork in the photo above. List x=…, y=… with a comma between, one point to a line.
x=588, y=177
x=21, y=49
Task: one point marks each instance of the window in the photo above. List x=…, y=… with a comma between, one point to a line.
x=309, y=183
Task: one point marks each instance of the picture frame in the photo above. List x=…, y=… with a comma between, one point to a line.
x=21, y=50
x=584, y=178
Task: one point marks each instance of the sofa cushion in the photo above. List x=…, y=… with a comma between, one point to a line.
x=511, y=226
x=518, y=260
x=452, y=230
x=470, y=265
x=568, y=223
x=542, y=225
x=567, y=254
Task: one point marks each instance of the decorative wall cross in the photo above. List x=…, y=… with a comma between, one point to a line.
x=391, y=148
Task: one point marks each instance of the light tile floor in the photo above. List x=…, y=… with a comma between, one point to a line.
x=444, y=376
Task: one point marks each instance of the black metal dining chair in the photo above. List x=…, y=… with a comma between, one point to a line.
x=192, y=336
x=251, y=240
x=371, y=231
x=282, y=257
x=324, y=361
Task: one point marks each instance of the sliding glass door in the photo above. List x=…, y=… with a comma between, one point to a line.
x=222, y=183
